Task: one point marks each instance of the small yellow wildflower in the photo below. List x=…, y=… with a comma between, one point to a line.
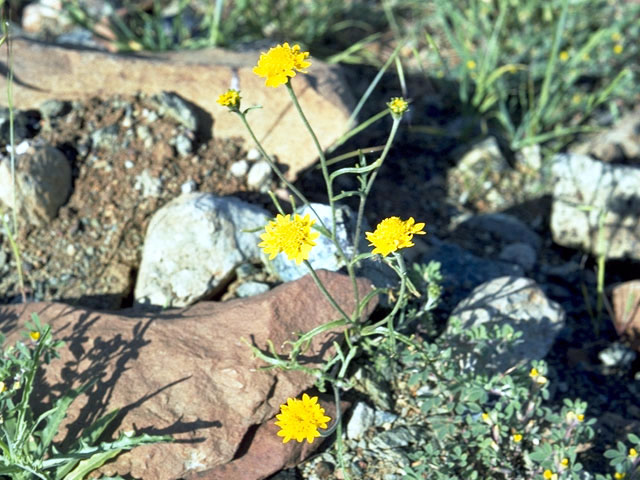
x=577, y=98
x=549, y=475
x=618, y=48
x=293, y=237
x=633, y=453
x=392, y=234
x=616, y=37
x=3, y=387
x=280, y=63
x=35, y=336
x=580, y=417
x=564, y=462
x=619, y=476
x=536, y=377
x=486, y=418
x=398, y=105
x=16, y=385
x=517, y=437
x=564, y=56
x=231, y=98
x=301, y=419
x=471, y=65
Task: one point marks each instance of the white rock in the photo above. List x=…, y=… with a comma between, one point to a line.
x=362, y=418
x=259, y=174
x=192, y=246
x=239, y=168
x=584, y=190
x=43, y=183
x=253, y=154
x=150, y=186
x=515, y=301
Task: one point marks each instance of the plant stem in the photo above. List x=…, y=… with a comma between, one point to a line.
x=325, y=292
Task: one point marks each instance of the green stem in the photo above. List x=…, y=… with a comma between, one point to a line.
x=367, y=190
x=325, y=292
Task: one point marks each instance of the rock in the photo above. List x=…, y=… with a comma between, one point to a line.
x=586, y=189
x=618, y=144
x=617, y=356
x=462, y=271
x=49, y=71
x=362, y=418
x=253, y=154
x=259, y=175
x=188, y=373
x=521, y=254
x=626, y=308
x=44, y=15
x=520, y=303
x=150, y=186
x=183, y=144
x=498, y=228
x=249, y=289
x=239, y=168
x=54, y=108
x=43, y=183
x=172, y=105
x=20, y=126
x=192, y=246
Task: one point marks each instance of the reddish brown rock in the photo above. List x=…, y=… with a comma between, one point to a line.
x=43, y=72
x=626, y=307
x=188, y=373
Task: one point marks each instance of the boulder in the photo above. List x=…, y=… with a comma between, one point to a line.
x=43, y=71
x=596, y=206
x=189, y=373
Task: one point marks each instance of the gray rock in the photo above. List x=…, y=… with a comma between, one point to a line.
x=192, y=246
x=249, y=289
x=259, y=174
x=183, y=145
x=596, y=206
x=463, y=271
x=20, y=123
x=521, y=254
x=43, y=183
x=396, y=438
x=54, y=108
x=150, y=186
x=362, y=418
x=617, y=355
x=500, y=227
x=239, y=168
x=172, y=105
x=518, y=302
x=105, y=137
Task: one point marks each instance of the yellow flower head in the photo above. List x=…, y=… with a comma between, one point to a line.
x=564, y=56
x=580, y=417
x=517, y=437
x=392, y=234
x=301, y=419
x=35, y=336
x=536, y=377
x=633, y=453
x=486, y=418
x=293, y=237
x=3, y=387
x=398, y=105
x=549, y=475
x=564, y=462
x=618, y=48
x=230, y=98
x=471, y=65
x=619, y=476
x=280, y=63
x=16, y=385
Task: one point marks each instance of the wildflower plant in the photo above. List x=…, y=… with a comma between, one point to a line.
x=27, y=444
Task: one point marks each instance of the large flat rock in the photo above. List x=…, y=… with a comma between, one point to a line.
x=44, y=71
x=188, y=373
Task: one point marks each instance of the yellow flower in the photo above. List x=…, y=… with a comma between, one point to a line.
x=3, y=387
x=549, y=475
x=486, y=418
x=564, y=462
x=577, y=98
x=580, y=417
x=536, y=377
x=280, y=63
x=633, y=453
x=398, y=105
x=517, y=437
x=471, y=65
x=35, y=336
x=618, y=48
x=16, y=385
x=301, y=419
x=392, y=234
x=616, y=37
x=619, y=476
x=564, y=56
x=230, y=98
x=293, y=237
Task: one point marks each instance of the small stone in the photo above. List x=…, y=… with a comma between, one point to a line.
x=150, y=186
x=70, y=250
x=521, y=254
x=259, y=175
x=188, y=186
x=183, y=145
x=20, y=148
x=172, y=105
x=239, y=168
x=128, y=164
x=617, y=355
x=253, y=154
x=249, y=289
x=54, y=108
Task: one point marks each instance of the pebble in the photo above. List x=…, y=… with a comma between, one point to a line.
x=617, y=355
x=239, y=168
x=253, y=154
x=188, y=186
x=183, y=144
x=249, y=289
x=362, y=418
x=259, y=175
